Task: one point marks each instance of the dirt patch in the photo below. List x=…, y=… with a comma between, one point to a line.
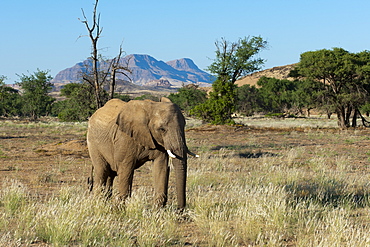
x=73, y=147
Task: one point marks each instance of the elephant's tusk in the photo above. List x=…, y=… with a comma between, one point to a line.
x=171, y=154
x=193, y=154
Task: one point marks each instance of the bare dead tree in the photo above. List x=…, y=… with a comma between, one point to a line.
x=97, y=78
x=116, y=67
x=94, y=31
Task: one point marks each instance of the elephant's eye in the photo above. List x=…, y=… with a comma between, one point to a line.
x=162, y=130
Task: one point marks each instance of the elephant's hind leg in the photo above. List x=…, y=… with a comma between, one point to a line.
x=102, y=174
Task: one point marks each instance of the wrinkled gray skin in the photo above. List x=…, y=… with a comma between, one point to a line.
x=123, y=136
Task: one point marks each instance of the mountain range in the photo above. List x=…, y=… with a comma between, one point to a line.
x=146, y=71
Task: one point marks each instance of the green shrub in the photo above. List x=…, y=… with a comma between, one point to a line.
x=188, y=97
x=78, y=106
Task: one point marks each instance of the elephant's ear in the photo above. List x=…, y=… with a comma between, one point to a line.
x=133, y=120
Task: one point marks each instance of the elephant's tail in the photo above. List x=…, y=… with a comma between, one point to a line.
x=90, y=180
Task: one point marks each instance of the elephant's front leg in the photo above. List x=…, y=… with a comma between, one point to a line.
x=125, y=178
x=160, y=178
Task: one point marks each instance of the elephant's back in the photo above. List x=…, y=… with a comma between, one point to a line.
x=114, y=103
x=108, y=112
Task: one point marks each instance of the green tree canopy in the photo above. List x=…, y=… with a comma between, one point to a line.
x=344, y=77
x=307, y=95
x=277, y=95
x=35, y=89
x=233, y=60
x=288, y=96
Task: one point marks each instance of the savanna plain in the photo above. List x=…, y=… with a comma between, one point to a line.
x=268, y=182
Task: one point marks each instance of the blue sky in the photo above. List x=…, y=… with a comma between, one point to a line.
x=45, y=34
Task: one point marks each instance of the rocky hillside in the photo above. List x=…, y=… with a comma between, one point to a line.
x=146, y=71
x=280, y=72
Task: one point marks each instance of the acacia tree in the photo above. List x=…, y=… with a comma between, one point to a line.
x=307, y=95
x=233, y=60
x=344, y=77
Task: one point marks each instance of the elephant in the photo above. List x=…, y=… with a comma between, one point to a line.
x=122, y=136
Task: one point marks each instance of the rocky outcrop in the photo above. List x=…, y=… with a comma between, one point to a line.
x=159, y=83
x=279, y=72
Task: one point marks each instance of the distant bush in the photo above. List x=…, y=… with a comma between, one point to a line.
x=35, y=89
x=123, y=97
x=148, y=96
x=277, y=115
x=188, y=97
x=78, y=106
x=217, y=109
x=10, y=101
x=248, y=100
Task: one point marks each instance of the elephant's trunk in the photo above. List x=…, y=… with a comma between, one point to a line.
x=177, y=151
x=180, y=167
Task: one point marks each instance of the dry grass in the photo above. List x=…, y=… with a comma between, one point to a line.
x=277, y=185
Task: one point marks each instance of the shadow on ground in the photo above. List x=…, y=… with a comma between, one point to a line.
x=248, y=155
